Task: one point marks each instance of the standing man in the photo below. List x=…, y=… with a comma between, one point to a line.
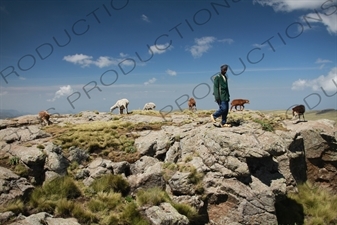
x=221, y=94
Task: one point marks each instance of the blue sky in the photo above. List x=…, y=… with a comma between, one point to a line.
x=73, y=55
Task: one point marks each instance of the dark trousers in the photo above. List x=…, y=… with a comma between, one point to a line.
x=222, y=111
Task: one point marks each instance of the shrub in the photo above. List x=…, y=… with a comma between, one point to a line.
x=319, y=205
x=40, y=146
x=195, y=177
x=187, y=210
x=110, y=182
x=14, y=160
x=16, y=206
x=105, y=201
x=265, y=124
x=21, y=170
x=45, y=198
x=96, y=205
x=152, y=196
x=64, y=208
x=130, y=215
x=82, y=215
x=61, y=187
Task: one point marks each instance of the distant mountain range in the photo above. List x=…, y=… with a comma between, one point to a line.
x=325, y=111
x=10, y=113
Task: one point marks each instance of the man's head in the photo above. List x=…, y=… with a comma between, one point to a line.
x=224, y=68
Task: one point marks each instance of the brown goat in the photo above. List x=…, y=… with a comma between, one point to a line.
x=192, y=105
x=298, y=111
x=44, y=116
x=239, y=102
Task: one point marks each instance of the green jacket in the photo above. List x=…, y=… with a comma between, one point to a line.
x=220, y=88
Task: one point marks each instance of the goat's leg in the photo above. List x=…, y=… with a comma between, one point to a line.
x=45, y=121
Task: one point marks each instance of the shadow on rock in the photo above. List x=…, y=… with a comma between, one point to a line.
x=288, y=211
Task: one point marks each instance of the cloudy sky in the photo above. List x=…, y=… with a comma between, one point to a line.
x=71, y=56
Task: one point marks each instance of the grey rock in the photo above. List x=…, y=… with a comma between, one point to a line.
x=165, y=214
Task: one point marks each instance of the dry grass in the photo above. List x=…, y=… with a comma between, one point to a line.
x=319, y=205
x=110, y=182
x=154, y=196
x=311, y=206
x=113, y=140
x=309, y=115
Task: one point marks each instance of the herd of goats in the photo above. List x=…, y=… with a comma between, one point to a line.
x=122, y=104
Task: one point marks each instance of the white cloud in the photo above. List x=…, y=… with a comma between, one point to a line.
x=83, y=60
x=102, y=61
x=328, y=82
x=151, y=81
x=328, y=21
x=171, y=72
x=64, y=90
x=328, y=18
x=322, y=62
x=105, y=61
x=319, y=61
x=291, y=5
x=201, y=46
x=145, y=18
x=226, y=40
x=259, y=45
x=123, y=55
x=159, y=49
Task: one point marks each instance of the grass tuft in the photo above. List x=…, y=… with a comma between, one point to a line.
x=16, y=206
x=131, y=215
x=152, y=196
x=110, y=182
x=311, y=205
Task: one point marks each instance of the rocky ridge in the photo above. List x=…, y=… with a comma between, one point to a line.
x=239, y=173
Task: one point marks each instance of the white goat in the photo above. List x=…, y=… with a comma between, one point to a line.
x=121, y=104
x=44, y=117
x=149, y=106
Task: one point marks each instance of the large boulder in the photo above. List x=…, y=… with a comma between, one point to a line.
x=165, y=214
x=12, y=186
x=43, y=218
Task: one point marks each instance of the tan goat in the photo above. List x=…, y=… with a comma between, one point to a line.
x=192, y=105
x=44, y=117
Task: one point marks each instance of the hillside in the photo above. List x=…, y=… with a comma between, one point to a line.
x=148, y=168
x=330, y=114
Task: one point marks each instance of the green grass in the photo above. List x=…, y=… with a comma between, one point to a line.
x=110, y=182
x=310, y=206
x=265, y=124
x=15, y=205
x=113, y=140
x=47, y=197
x=319, y=205
x=154, y=196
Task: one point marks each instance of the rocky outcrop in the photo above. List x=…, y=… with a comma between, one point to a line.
x=229, y=175
x=165, y=214
x=12, y=186
x=42, y=219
